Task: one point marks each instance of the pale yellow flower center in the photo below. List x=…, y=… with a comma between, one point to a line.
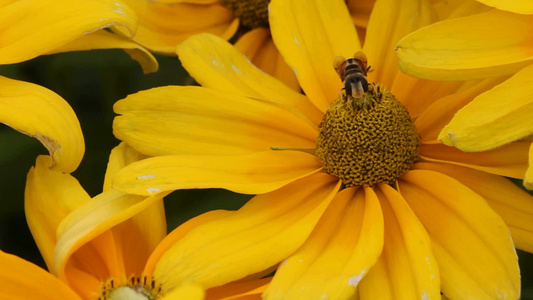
x=368, y=139
x=252, y=13
x=135, y=288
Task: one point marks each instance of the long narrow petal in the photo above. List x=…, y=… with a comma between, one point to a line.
x=121, y=156
x=214, y=63
x=494, y=118
x=197, y=120
x=433, y=119
x=528, y=179
x=471, y=242
x=41, y=113
x=20, y=279
x=259, y=48
x=309, y=35
x=489, y=44
x=162, y=26
x=513, y=204
x=262, y=233
x=407, y=268
x=102, y=39
x=516, y=6
x=49, y=197
x=256, y=173
x=389, y=22
x=248, y=290
x=345, y=244
x=94, y=218
x=39, y=27
x=509, y=160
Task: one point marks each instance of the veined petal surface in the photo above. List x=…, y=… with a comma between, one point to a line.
x=406, y=268
x=514, y=205
x=20, y=279
x=509, y=160
x=233, y=247
x=309, y=35
x=49, y=197
x=163, y=25
x=216, y=64
x=102, y=39
x=345, y=244
x=494, y=118
x=255, y=173
x=198, y=120
x=41, y=113
x=466, y=234
x=39, y=27
x=528, y=179
x=494, y=43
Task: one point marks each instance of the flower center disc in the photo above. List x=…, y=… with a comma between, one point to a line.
x=252, y=13
x=367, y=145
x=134, y=288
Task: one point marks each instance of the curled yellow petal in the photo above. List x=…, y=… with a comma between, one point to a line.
x=39, y=27
x=255, y=173
x=49, y=197
x=41, y=113
x=102, y=39
x=489, y=44
x=494, y=118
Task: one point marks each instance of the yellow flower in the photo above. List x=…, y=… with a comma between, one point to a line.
x=106, y=247
x=442, y=225
x=490, y=44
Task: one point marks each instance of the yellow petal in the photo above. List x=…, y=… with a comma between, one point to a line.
x=259, y=48
x=214, y=63
x=121, y=156
x=494, y=118
x=94, y=218
x=197, y=120
x=360, y=11
x=102, y=39
x=489, y=44
x=41, y=113
x=432, y=119
x=178, y=233
x=516, y=6
x=39, y=27
x=407, y=268
x=186, y=291
x=509, y=160
x=162, y=26
x=255, y=173
x=239, y=290
x=309, y=35
x=345, y=244
x=389, y=22
x=472, y=244
x=528, y=179
x=20, y=279
x=514, y=205
x=263, y=232
x=49, y=197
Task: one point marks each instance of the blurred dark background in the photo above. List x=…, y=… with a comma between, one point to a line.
x=92, y=81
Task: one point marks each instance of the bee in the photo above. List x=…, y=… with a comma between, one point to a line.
x=352, y=72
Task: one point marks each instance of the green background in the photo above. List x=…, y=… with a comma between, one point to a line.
x=92, y=81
